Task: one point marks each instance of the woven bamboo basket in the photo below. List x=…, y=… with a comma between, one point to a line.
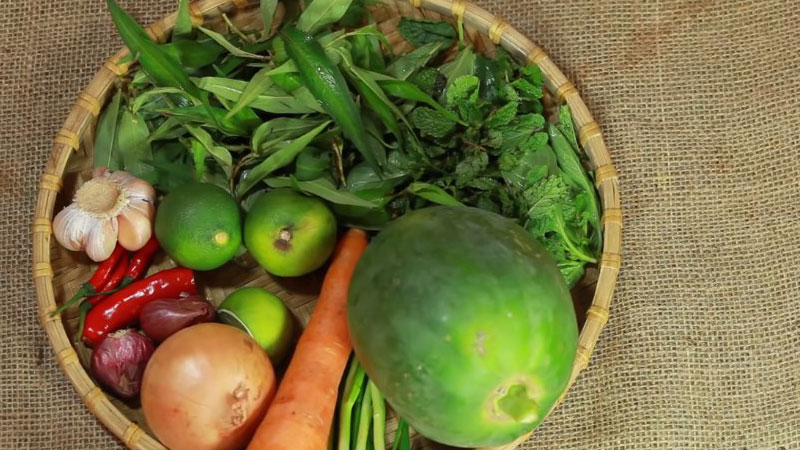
x=58, y=273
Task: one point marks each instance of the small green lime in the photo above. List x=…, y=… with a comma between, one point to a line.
x=263, y=316
x=288, y=233
x=199, y=226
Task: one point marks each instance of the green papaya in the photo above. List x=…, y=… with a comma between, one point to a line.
x=464, y=323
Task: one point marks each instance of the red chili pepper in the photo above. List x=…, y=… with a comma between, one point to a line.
x=140, y=261
x=122, y=308
x=95, y=284
x=113, y=280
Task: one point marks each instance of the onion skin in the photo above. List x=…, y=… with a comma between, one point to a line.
x=207, y=387
x=161, y=319
x=118, y=363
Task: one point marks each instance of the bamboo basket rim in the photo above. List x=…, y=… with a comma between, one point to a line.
x=81, y=119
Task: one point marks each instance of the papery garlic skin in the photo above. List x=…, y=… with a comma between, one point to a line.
x=111, y=207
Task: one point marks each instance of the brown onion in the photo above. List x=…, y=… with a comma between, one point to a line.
x=119, y=361
x=207, y=387
x=161, y=319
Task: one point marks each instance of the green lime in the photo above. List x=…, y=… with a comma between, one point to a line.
x=288, y=233
x=263, y=316
x=199, y=226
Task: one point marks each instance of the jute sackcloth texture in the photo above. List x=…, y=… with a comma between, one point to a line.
x=699, y=101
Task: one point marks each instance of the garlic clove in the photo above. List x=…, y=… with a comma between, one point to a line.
x=143, y=206
x=120, y=177
x=135, y=229
x=70, y=227
x=98, y=172
x=101, y=239
x=140, y=189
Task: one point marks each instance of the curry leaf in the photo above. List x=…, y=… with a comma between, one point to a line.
x=106, y=153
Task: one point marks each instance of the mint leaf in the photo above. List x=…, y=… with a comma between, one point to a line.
x=420, y=32
x=566, y=127
x=483, y=184
x=535, y=142
x=533, y=74
x=430, y=81
x=470, y=167
x=464, y=90
x=515, y=133
x=503, y=115
x=462, y=96
x=527, y=89
x=431, y=122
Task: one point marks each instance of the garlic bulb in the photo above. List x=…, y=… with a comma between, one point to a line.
x=111, y=207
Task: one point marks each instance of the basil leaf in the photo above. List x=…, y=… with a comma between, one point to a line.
x=463, y=64
x=312, y=163
x=433, y=194
x=260, y=82
x=279, y=159
x=159, y=66
x=241, y=124
x=274, y=100
x=409, y=91
x=173, y=165
x=158, y=93
x=169, y=129
x=323, y=188
x=366, y=48
x=420, y=32
x=192, y=54
x=376, y=99
x=289, y=127
x=106, y=153
x=134, y=147
x=321, y=13
x=232, y=49
x=267, y=8
x=183, y=22
x=218, y=152
x=408, y=64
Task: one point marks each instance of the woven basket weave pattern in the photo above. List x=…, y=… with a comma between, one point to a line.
x=57, y=273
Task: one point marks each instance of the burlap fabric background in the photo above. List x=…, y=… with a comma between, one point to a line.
x=700, y=104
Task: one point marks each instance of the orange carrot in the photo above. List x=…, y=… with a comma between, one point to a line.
x=301, y=414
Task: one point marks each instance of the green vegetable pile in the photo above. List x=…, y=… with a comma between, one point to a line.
x=325, y=106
